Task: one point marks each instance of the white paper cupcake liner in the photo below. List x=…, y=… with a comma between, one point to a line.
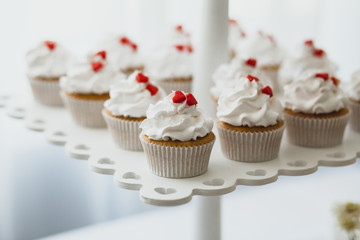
x=170, y=86
x=86, y=113
x=315, y=132
x=124, y=132
x=177, y=162
x=46, y=92
x=355, y=115
x=250, y=146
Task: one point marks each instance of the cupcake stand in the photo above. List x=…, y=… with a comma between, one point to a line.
x=130, y=169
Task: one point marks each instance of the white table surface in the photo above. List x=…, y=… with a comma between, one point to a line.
x=292, y=208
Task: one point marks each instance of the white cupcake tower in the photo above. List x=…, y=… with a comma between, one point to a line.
x=130, y=168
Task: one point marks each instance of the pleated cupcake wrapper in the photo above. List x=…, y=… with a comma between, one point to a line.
x=250, y=146
x=124, y=132
x=169, y=86
x=315, y=132
x=177, y=162
x=46, y=92
x=355, y=116
x=86, y=113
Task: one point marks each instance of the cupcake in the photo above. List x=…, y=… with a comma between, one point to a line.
x=315, y=110
x=126, y=109
x=226, y=75
x=123, y=54
x=171, y=67
x=249, y=122
x=354, y=103
x=47, y=63
x=86, y=88
x=176, y=137
x=236, y=34
x=306, y=57
x=266, y=51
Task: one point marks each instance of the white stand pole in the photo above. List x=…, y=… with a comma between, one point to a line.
x=212, y=49
x=208, y=218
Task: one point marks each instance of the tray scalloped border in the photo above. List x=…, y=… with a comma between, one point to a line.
x=222, y=177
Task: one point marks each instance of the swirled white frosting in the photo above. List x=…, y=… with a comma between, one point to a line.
x=226, y=75
x=246, y=105
x=354, y=90
x=131, y=99
x=236, y=34
x=313, y=95
x=122, y=56
x=175, y=121
x=303, y=60
x=168, y=62
x=262, y=47
x=81, y=78
x=46, y=63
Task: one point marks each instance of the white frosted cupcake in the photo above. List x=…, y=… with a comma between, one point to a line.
x=315, y=110
x=86, y=88
x=176, y=137
x=171, y=67
x=250, y=122
x=306, y=57
x=123, y=53
x=226, y=75
x=354, y=103
x=236, y=34
x=47, y=62
x=126, y=109
x=266, y=51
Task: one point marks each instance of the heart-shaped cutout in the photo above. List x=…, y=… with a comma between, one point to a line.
x=336, y=155
x=214, y=182
x=59, y=134
x=131, y=175
x=81, y=147
x=257, y=172
x=106, y=161
x=165, y=191
x=297, y=163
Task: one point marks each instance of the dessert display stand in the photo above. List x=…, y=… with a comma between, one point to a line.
x=130, y=169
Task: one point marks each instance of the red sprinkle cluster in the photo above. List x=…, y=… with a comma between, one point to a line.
x=102, y=54
x=252, y=78
x=317, y=52
x=267, y=90
x=141, y=78
x=179, y=28
x=51, y=45
x=96, y=66
x=181, y=48
x=180, y=97
x=251, y=62
x=326, y=76
x=309, y=42
x=126, y=41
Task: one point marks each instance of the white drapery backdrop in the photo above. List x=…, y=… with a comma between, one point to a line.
x=41, y=190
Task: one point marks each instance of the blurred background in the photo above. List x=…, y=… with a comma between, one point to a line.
x=43, y=192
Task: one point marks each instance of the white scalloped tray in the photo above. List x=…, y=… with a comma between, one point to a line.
x=130, y=168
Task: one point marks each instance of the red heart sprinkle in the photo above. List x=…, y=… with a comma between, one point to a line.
x=318, y=52
x=134, y=46
x=124, y=40
x=267, y=90
x=102, y=54
x=141, y=78
x=96, y=66
x=179, y=28
x=51, y=45
x=251, y=62
x=190, y=99
x=189, y=48
x=152, y=89
x=335, y=81
x=309, y=42
x=232, y=21
x=179, y=47
x=324, y=76
x=252, y=78
x=179, y=97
